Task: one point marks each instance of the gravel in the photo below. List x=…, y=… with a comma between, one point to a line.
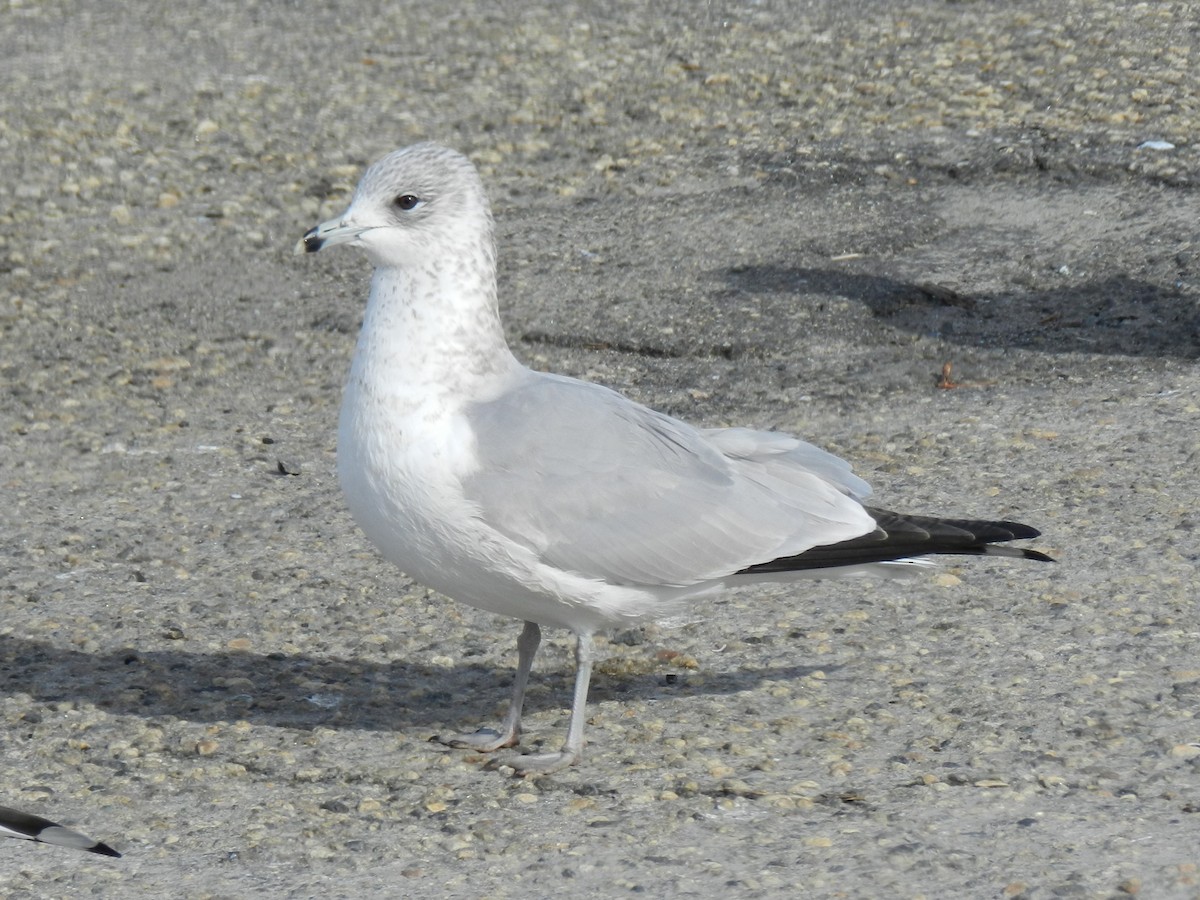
x=780, y=214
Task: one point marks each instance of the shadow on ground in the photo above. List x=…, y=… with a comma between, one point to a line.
x=1116, y=315
x=302, y=692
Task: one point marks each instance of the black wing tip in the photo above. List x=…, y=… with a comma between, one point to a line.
x=29, y=827
x=311, y=242
x=104, y=850
x=1022, y=532
x=903, y=536
x=1019, y=530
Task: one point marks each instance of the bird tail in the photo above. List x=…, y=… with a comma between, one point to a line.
x=899, y=536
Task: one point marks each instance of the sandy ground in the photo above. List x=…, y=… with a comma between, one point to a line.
x=790, y=215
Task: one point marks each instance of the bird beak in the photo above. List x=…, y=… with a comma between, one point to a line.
x=335, y=231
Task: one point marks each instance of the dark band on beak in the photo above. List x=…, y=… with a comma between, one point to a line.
x=329, y=234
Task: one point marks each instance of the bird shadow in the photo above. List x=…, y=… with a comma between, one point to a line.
x=1113, y=315
x=304, y=692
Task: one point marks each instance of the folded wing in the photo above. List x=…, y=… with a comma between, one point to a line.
x=601, y=486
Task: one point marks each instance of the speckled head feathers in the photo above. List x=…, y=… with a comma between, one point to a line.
x=409, y=203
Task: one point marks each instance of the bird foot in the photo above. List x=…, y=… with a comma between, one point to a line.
x=485, y=740
x=525, y=764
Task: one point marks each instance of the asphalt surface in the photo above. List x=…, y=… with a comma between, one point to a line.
x=786, y=215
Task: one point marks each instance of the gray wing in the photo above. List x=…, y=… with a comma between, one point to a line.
x=601, y=486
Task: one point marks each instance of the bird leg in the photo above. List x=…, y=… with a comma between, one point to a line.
x=486, y=740
x=572, y=750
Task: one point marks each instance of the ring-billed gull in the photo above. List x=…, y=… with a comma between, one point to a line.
x=17, y=824
x=557, y=501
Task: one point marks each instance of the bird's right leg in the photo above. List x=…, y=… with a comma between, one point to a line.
x=486, y=740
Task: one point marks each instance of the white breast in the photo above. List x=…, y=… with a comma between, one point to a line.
x=398, y=469
x=401, y=475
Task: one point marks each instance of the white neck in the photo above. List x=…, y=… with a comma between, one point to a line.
x=432, y=333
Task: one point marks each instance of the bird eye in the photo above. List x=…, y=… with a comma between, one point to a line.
x=407, y=202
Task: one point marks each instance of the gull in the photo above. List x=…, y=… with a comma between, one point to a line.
x=27, y=827
x=557, y=501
